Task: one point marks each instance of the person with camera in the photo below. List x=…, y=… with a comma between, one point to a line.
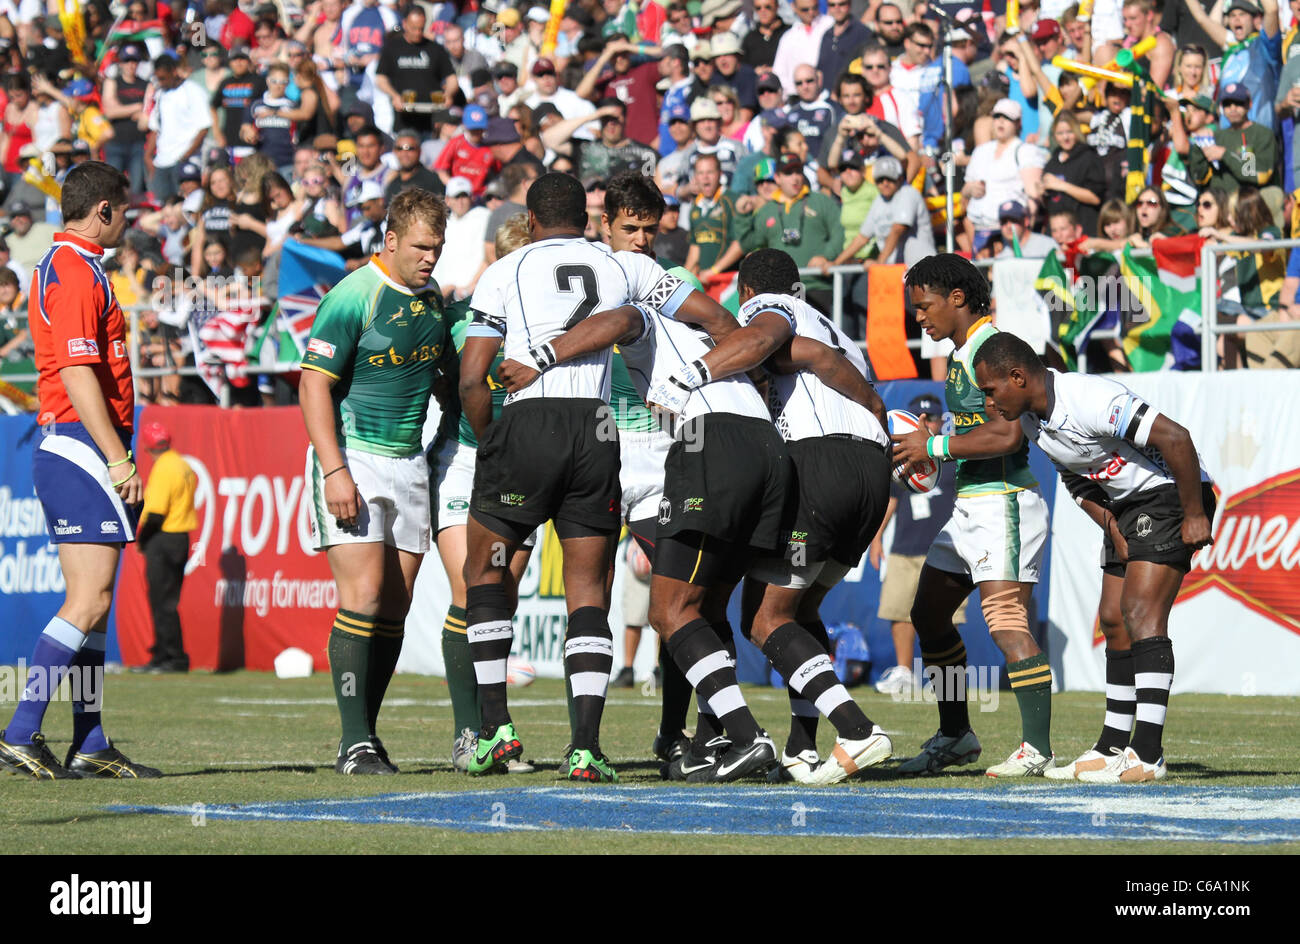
x=803, y=223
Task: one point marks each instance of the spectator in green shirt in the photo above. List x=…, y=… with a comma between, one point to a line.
x=716, y=225
x=804, y=224
x=1246, y=152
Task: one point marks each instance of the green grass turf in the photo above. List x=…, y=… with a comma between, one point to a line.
x=249, y=737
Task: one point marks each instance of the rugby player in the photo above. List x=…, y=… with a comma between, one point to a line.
x=451, y=478
x=840, y=454
x=710, y=527
x=994, y=540
x=84, y=475
x=553, y=455
x=379, y=342
x=1137, y=474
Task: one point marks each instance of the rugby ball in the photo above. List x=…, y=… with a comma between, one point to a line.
x=519, y=672
x=926, y=475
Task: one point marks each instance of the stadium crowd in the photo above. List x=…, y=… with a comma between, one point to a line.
x=813, y=126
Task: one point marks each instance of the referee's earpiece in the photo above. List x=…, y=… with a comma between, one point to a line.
x=106, y=214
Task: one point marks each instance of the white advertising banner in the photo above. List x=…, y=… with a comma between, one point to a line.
x=1236, y=622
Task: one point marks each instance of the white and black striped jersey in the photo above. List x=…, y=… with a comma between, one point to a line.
x=1097, y=429
x=543, y=289
x=802, y=406
x=667, y=344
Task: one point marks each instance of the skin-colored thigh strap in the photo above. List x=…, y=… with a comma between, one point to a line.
x=1004, y=612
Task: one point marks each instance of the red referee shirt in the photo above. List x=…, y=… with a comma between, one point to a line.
x=75, y=319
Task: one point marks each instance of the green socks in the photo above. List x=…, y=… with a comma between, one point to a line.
x=1031, y=681
x=458, y=665
x=350, y=649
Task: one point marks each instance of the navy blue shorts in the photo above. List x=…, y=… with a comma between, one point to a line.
x=72, y=481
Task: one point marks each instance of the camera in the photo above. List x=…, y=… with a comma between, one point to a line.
x=791, y=237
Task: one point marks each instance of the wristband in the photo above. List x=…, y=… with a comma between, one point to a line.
x=125, y=480
x=543, y=356
x=113, y=465
x=936, y=447
x=691, y=376
x=328, y=474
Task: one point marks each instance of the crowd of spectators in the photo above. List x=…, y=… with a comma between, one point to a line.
x=814, y=126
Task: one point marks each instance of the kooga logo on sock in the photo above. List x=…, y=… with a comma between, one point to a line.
x=76, y=897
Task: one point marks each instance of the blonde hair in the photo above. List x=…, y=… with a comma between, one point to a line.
x=417, y=205
x=513, y=234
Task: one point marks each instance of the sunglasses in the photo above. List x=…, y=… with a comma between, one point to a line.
x=890, y=22
x=313, y=181
x=1148, y=203
x=922, y=45
x=1207, y=204
x=875, y=66
x=407, y=147
x=805, y=82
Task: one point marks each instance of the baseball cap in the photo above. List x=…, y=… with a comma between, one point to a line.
x=80, y=146
x=1251, y=8
x=671, y=202
x=475, y=118
x=459, y=187
x=926, y=403
x=1046, y=29
x=725, y=44
x=789, y=164
x=704, y=109
x=501, y=131
x=190, y=171
x=1011, y=210
x=886, y=168
x=544, y=110
x=543, y=66
x=764, y=169
x=369, y=190
x=539, y=15
x=679, y=112
x=769, y=83
x=702, y=52
x=852, y=159
x=1008, y=109
x=505, y=70
x=1203, y=102
x=713, y=10
x=239, y=52
x=130, y=53
x=19, y=209
x=153, y=435
x=79, y=89
x=1235, y=92
x=508, y=18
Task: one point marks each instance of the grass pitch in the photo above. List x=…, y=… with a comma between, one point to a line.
x=248, y=742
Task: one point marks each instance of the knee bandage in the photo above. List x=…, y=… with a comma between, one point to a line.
x=1004, y=612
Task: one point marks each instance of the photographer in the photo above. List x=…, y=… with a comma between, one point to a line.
x=802, y=223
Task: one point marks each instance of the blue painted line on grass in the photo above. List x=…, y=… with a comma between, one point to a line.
x=1170, y=814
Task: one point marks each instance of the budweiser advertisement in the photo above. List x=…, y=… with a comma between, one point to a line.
x=1236, y=621
x=253, y=585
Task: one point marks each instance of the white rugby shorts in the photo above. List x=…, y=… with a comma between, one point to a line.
x=993, y=537
x=642, y=475
x=394, y=502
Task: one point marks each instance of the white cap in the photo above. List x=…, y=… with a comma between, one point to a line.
x=725, y=44
x=460, y=186
x=704, y=108
x=539, y=15
x=1008, y=109
x=369, y=190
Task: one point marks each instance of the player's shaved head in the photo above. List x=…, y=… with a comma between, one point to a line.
x=558, y=201
x=1004, y=351
x=768, y=270
x=947, y=272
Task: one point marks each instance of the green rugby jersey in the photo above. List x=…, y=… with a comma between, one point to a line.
x=384, y=345
x=459, y=317
x=630, y=412
x=1000, y=474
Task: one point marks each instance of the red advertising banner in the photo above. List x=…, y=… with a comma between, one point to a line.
x=253, y=585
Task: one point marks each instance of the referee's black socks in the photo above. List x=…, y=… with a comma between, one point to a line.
x=707, y=666
x=588, y=662
x=490, y=634
x=808, y=670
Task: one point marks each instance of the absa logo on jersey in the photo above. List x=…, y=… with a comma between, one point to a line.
x=1256, y=551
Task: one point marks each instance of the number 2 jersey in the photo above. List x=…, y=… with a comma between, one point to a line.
x=1097, y=429
x=384, y=345
x=541, y=290
x=802, y=406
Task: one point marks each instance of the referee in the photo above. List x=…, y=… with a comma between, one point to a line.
x=84, y=476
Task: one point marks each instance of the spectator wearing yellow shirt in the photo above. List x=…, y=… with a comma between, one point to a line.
x=165, y=523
